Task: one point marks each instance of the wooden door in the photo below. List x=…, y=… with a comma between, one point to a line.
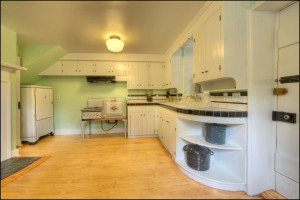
x=287, y=150
x=213, y=46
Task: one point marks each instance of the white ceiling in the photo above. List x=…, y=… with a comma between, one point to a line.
x=148, y=27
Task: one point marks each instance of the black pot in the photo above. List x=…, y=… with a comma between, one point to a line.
x=215, y=133
x=197, y=157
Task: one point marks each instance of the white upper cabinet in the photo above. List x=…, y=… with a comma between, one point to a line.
x=220, y=44
x=145, y=75
x=156, y=72
x=87, y=68
x=177, y=70
x=207, y=45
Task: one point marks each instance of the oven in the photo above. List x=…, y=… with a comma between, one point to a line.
x=114, y=108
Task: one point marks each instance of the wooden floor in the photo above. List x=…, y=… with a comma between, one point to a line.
x=106, y=167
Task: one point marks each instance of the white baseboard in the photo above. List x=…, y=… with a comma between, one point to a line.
x=142, y=136
x=93, y=131
x=15, y=153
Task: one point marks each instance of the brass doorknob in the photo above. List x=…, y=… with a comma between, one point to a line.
x=286, y=117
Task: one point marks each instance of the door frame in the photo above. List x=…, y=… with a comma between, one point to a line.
x=5, y=80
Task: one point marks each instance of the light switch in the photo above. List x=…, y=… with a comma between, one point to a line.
x=58, y=97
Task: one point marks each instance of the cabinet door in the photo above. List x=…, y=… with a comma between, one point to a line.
x=119, y=68
x=148, y=123
x=143, y=69
x=213, y=46
x=90, y=68
x=156, y=70
x=133, y=76
x=65, y=68
x=173, y=138
x=168, y=71
x=44, y=103
x=135, y=124
x=199, y=56
x=103, y=68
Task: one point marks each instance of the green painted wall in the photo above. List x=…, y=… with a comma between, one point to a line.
x=74, y=92
x=38, y=58
x=252, y=2
x=9, y=55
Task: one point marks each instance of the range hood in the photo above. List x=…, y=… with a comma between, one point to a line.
x=101, y=79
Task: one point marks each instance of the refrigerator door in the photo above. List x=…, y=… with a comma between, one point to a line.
x=44, y=103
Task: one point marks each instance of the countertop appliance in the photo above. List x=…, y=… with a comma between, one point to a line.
x=36, y=112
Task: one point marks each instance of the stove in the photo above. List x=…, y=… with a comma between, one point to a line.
x=91, y=113
x=104, y=109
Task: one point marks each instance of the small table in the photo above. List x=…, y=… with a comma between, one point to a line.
x=101, y=119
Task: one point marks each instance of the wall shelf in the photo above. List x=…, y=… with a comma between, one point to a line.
x=9, y=67
x=197, y=139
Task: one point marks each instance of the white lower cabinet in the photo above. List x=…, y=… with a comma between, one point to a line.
x=149, y=121
x=141, y=121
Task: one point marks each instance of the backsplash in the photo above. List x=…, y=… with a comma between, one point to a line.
x=230, y=100
x=143, y=98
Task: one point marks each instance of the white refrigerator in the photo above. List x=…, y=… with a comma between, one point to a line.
x=36, y=112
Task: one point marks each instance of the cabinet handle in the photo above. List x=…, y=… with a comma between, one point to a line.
x=206, y=71
x=141, y=115
x=167, y=121
x=137, y=84
x=202, y=72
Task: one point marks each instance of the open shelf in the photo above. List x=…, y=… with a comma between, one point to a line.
x=198, y=139
x=215, y=173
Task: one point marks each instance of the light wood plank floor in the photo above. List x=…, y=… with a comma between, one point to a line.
x=106, y=167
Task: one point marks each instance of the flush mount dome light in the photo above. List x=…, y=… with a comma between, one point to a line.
x=114, y=44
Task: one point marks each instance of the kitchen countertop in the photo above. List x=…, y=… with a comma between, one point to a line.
x=194, y=109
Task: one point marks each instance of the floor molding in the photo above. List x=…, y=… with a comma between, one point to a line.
x=93, y=131
x=271, y=194
x=15, y=153
x=16, y=175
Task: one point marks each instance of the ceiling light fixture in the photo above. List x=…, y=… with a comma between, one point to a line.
x=114, y=43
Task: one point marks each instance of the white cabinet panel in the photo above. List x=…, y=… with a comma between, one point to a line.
x=156, y=75
x=213, y=46
x=135, y=124
x=143, y=75
x=44, y=101
x=148, y=123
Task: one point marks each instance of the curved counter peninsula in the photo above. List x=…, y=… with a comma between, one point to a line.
x=177, y=125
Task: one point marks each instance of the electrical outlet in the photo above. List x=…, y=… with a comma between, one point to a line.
x=58, y=97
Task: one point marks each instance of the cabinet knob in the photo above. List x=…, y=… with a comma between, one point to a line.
x=206, y=71
x=202, y=72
